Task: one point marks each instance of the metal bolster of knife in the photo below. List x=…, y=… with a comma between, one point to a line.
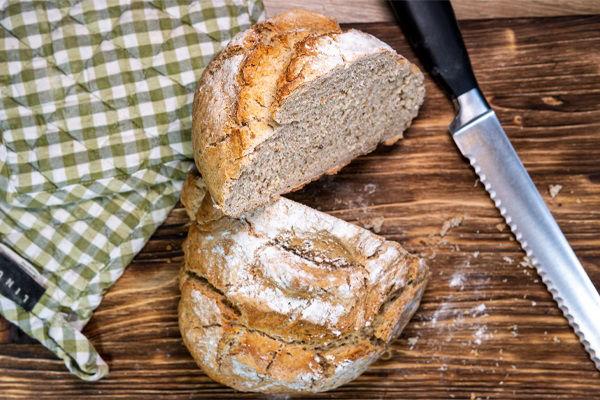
x=470, y=106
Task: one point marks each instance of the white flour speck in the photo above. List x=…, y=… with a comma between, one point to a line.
x=478, y=310
x=457, y=280
x=481, y=335
x=508, y=260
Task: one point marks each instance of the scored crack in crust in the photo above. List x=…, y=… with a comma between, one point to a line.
x=286, y=299
x=293, y=98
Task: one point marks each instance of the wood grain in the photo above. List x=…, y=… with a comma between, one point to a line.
x=360, y=11
x=487, y=327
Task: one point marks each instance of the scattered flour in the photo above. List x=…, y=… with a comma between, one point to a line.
x=370, y=188
x=457, y=280
x=481, y=335
x=480, y=309
x=508, y=260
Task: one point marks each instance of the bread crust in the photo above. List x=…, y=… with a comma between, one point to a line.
x=286, y=299
x=240, y=93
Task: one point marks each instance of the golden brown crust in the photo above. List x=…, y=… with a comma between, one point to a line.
x=287, y=299
x=295, y=73
x=233, y=98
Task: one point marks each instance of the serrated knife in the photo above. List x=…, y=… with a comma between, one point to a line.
x=432, y=31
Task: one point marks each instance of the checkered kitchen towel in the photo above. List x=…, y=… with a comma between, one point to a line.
x=95, y=123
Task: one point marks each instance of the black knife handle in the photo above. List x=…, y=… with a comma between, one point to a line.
x=431, y=29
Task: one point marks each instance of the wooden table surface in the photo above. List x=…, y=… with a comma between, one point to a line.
x=487, y=327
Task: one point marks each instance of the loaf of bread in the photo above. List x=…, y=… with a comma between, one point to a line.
x=293, y=98
x=287, y=299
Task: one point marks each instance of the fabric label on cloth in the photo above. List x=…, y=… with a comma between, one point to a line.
x=16, y=283
x=95, y=142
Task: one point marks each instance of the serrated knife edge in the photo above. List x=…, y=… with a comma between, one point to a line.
x=477, y=112
x=543, y=275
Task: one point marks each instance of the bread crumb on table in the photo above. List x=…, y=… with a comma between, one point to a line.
x=451, y=223
x=555, y=339
x=374, y=224
x=554, y=189
x=526, y=263
x=551, y=101
x=412, y=341
x=500, y=227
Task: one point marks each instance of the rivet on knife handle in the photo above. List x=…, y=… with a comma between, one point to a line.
x=431, y=29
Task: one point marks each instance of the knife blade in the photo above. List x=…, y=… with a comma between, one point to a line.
x=432, y=31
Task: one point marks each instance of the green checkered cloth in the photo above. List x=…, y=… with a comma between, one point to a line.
x=95, y=122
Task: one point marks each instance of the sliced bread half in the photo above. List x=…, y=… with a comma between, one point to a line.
x=293, y=98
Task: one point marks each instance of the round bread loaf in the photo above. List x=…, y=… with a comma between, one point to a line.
x=292, y=98
x=286, y=299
